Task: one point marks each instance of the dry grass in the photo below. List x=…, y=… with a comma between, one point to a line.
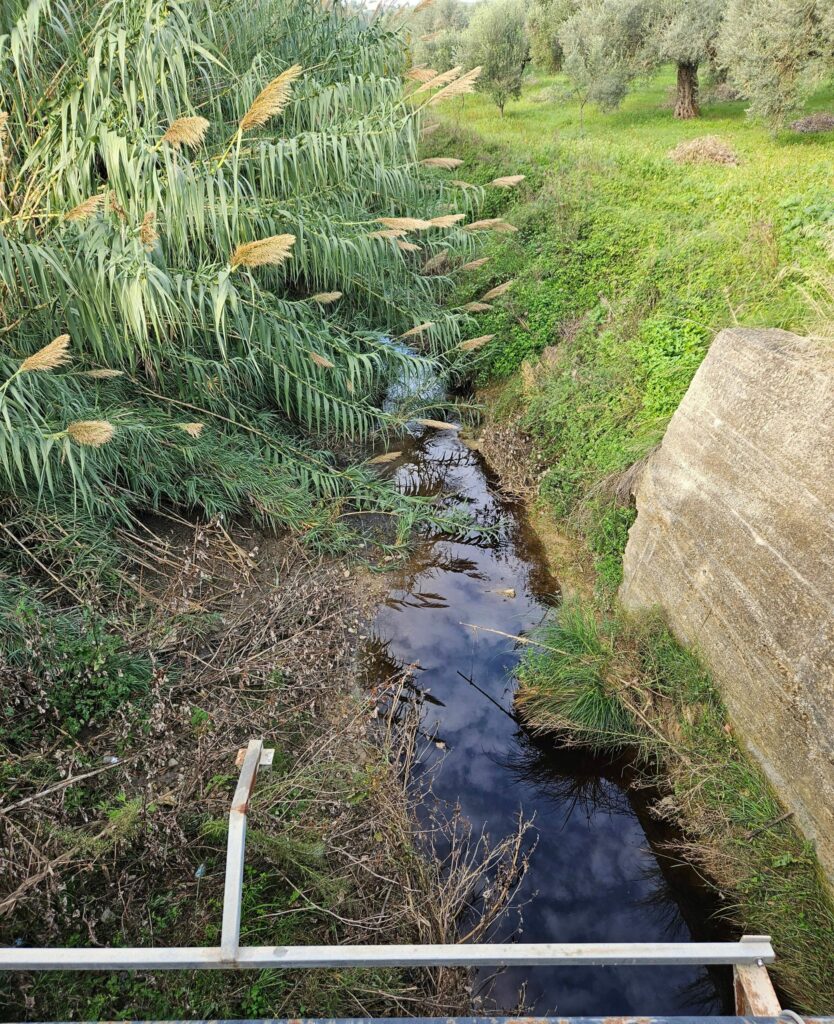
x=813, y=123
x=333, y=840
x=708, y=149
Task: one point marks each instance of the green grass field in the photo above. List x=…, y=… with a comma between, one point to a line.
x=629, y=263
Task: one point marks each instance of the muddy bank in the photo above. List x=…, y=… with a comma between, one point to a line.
x=115, y=834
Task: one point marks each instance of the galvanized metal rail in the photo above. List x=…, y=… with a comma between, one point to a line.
x=747, y=956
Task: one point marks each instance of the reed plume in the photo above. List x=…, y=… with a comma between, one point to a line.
x=186, y=131
x=437, y=263
x=408, y=246
x=474, y=343
x=91, y=433
x=460, y=87
x=385, y=457
x=321, y=361
x=499, y=289
x=104, y=374
x=272, y=251
x=148, y=234
x=438, y=424
x=447, y=220
x=421, y=74
x=476, y=307
x=192, y=429
x=324, y=298
x=445, y=163
x=404, y=223
x=474, y=264
x=490, y=224
x=508, y=181
x=4, y=125
x=86, y=208
x=49, y=357
x=271, y=100
x=413, y=331
x=444, y=78
x=462, y=184
x=388, y=233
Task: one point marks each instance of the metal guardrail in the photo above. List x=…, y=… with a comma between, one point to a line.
x=753, y=951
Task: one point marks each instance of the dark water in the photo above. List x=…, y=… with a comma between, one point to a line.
x=597, y=873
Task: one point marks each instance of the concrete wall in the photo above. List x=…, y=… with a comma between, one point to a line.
x=734, y=539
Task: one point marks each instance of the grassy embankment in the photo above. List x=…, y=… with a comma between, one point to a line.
x=624, y=266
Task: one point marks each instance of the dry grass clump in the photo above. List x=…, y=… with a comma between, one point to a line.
x=708, y=149
x=819, y=122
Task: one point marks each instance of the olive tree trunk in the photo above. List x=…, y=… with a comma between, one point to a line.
x=686, y=103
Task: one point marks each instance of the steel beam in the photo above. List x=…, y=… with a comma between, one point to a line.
x=750, y=950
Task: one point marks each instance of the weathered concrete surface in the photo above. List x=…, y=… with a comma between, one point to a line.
x=734, y=539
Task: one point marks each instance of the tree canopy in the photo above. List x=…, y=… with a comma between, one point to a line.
x=497, y=42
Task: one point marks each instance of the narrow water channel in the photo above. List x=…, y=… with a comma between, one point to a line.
x=598, y=872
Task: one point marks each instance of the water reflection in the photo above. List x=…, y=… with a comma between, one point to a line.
x=598, y=873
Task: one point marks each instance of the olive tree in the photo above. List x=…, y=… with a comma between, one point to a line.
x=777, y=52
x=497, y=41
x=684, y=32
x=545, y=19
x=590, y=59
x=435, y=34
x=600, y=45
